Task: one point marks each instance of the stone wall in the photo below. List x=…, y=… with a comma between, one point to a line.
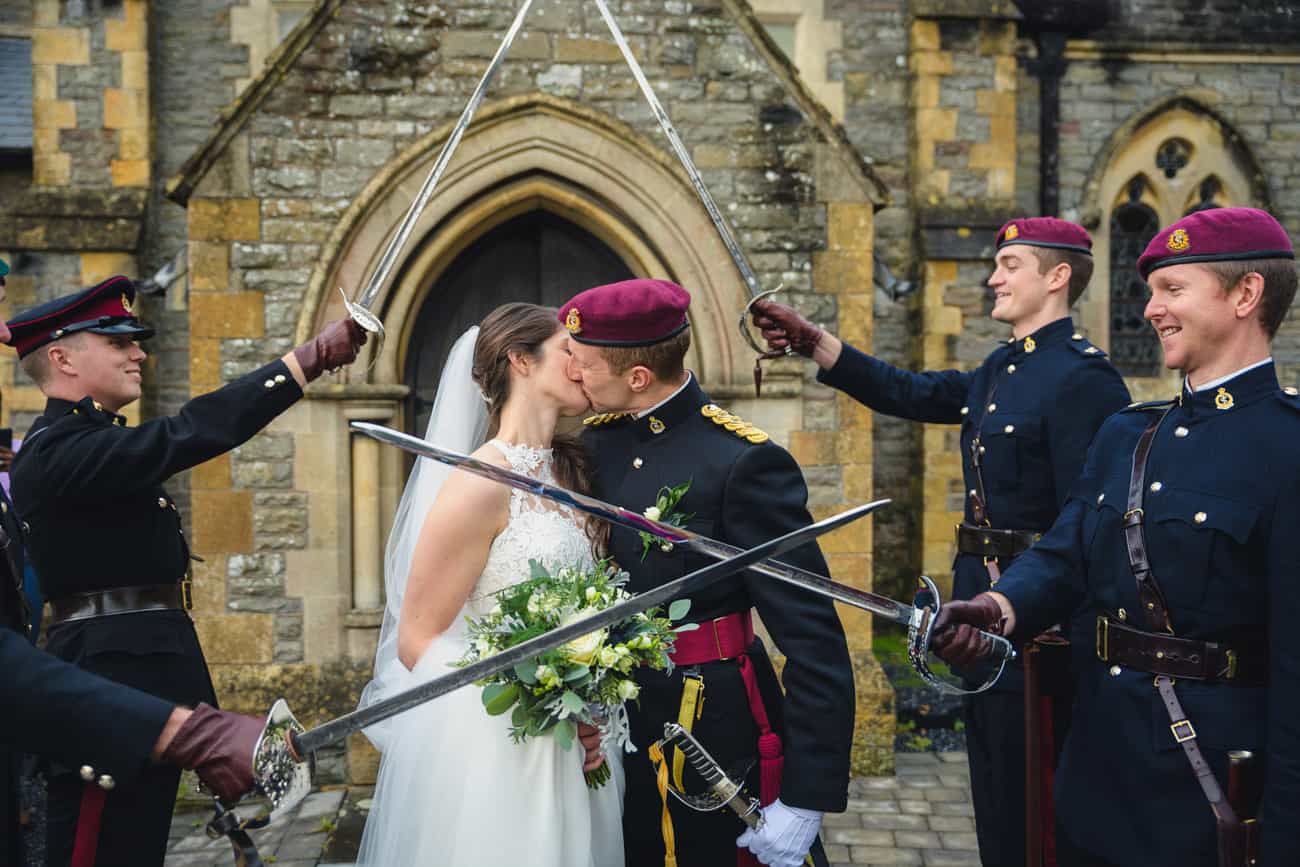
x=1255, y=97
x=872, y=64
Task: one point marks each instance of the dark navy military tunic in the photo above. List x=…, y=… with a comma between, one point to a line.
x=1222, y=516
x=742, y=493
x=90, y=490
x=54, y=710
x=1050, y=393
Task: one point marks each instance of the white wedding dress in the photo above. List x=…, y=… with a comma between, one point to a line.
x=453, y=787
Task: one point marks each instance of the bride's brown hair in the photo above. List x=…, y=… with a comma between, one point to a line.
x=523, y=328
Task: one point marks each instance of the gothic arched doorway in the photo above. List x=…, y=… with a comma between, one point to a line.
x=538, y=257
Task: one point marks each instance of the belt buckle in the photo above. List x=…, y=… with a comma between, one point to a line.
x=1232, y=665
x=1103, y=638
x=717, y=640
x=187, y=594
x=1188, y=732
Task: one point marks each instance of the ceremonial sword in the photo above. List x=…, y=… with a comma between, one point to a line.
x=917, y=617
x=756, y=292
x=361, y=309
x=282, y=756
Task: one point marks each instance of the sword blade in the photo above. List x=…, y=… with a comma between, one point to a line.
x=891, y=610
x=398, y=243
x=338, y=729
x=666, y=124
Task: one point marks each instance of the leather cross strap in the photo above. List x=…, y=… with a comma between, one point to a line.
x=1152, y=600
x=1157, y=616
x=979, y=499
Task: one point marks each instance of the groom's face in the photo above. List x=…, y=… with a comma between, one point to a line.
x=607, y=390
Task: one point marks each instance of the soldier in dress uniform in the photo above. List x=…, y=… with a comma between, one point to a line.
x=1178, y=546
x=1027, y=415
x=658, y=429
x=106, y=538
x=58, y=711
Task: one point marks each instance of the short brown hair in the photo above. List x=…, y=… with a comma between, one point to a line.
x=1080, y=267
x=665, y=359
x=1279, y=286
x=36, y=364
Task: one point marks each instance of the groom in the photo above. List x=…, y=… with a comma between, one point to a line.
x=657, y=429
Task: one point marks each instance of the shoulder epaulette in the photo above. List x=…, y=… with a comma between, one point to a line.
x=1080, y=344
x=1290, y=395
x=1146, y=406
x=603, y=418
x=733, y=423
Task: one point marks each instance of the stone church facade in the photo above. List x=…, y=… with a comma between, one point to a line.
x=864, y=151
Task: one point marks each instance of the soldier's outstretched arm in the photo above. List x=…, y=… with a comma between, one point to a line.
x=59, y=711
x=932, y=396
x=92, y=460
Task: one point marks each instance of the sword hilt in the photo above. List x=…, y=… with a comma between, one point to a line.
x=728, y=791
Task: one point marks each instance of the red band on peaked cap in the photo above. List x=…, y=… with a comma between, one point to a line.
x=102, y=309
x=1045, y=232
x=630, y=313
x=1217, y=235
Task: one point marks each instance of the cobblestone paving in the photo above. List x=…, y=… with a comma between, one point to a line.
x=921, y=816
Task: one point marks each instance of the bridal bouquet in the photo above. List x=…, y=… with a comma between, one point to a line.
x=587, y=680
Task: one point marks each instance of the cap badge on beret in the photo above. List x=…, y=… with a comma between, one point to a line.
x=1013, y=232
x=1178, y=241
x=573, y=321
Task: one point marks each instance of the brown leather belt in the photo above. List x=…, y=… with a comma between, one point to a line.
x=988, y=542
x=1175, y=657
x=121, y=600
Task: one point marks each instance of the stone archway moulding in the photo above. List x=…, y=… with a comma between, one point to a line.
x=521, y=153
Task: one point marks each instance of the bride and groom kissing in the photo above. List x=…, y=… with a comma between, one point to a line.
x=453, y=788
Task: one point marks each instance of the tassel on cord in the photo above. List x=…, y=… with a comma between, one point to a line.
x=666, y=823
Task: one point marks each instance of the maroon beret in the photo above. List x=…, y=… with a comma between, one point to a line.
x=1217, y=235
x=1046, y=232
x=107, y=308
x=631, y=313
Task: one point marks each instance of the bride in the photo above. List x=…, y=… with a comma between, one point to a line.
x=453, y=787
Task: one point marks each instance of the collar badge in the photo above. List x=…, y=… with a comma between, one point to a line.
x=656, y=426
x=1223, y=400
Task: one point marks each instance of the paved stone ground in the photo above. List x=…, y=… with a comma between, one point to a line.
x=921, y=816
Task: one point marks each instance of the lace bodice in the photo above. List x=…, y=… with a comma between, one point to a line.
x=537, y=530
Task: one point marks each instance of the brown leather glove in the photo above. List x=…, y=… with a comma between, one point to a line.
x=956, y=636
x=218, y=746
x=783, y=326
x=336, y=345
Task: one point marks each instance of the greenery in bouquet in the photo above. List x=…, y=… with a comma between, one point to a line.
x=588, y=680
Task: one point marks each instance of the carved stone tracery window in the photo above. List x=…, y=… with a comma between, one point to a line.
x=1165, y=164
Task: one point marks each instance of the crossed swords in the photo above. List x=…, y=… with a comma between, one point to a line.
x=284, y=756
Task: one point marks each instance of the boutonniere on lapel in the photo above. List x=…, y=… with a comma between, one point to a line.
x=665, y=511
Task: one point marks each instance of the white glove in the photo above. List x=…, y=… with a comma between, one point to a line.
x=786, y=836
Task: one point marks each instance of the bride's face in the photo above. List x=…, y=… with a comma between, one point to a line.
x=551, y=381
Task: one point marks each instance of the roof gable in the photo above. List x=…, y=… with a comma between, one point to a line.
x=236, y=115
